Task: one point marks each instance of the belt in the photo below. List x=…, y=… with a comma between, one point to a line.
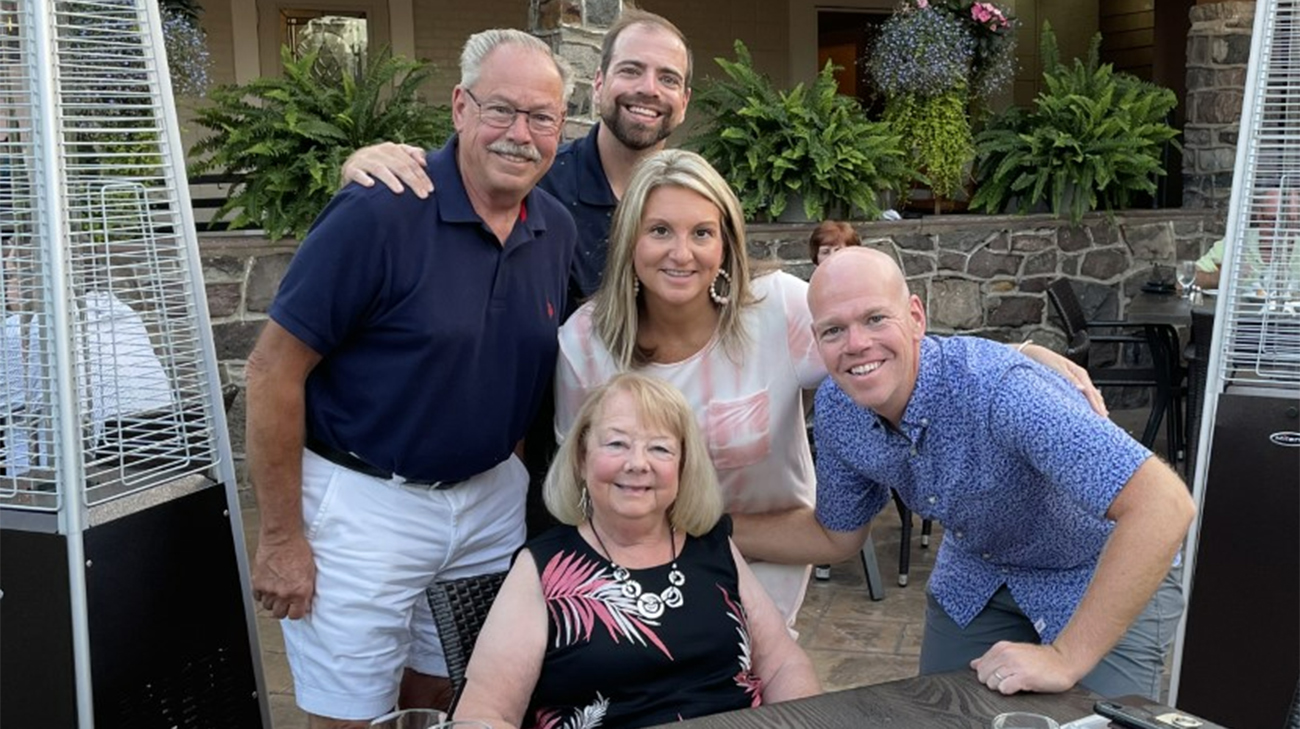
x=351, y=462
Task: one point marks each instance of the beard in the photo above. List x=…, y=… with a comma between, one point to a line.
x=635, y=134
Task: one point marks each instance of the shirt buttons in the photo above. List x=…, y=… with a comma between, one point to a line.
x=925, y=421
x=933, y=499
x=959, y=534
x=913, y=450
x=986, y=555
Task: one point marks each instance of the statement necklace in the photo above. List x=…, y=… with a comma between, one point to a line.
x=650, y=605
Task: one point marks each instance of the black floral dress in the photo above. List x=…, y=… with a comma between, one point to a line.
x=606, y=665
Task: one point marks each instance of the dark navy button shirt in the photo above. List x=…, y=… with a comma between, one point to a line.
x=578, y=180
x=437, y=340
x=1006, y=454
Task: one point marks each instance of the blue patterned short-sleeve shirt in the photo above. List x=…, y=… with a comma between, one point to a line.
x=1003, y=452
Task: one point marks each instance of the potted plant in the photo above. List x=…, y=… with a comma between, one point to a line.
x=936, y=62
x=810, y=144
x=289, y=136
x=1093, y=139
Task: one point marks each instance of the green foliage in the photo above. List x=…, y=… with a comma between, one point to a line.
x=811, y=142
x=1092, y=140
x=938, y=129
x=290, y=135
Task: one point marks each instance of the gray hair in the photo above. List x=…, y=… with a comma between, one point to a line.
x=478, y=46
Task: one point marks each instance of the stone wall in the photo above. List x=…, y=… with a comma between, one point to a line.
x=1218, y=50
x=982, y=275
x=575, y=30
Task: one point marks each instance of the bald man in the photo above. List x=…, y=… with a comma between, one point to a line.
x=1060, y=529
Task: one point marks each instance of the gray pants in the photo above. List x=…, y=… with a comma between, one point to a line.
x=1133, y=666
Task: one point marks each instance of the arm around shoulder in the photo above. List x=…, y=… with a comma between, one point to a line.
x=390, y=163
x=779, y=662
x=507, y=659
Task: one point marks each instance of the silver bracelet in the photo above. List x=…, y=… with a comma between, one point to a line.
x=1026, y=343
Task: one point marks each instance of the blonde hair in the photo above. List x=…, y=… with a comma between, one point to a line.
x=617, y=314
x=699, y=498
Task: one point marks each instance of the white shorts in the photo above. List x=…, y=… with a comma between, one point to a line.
x=377, y=546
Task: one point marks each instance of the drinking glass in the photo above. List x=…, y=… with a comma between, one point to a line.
x=411, y=719
x=1186, y=277
x=1024, y=720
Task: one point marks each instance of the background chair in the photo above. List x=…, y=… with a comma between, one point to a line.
x=1164, y=376
x=459, y=609
x=905, y=541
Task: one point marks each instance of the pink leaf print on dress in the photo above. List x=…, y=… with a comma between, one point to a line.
x=578, y=592
x=745, y=678
x=588, y=717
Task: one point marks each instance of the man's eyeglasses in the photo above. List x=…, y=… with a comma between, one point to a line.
x=501, y=116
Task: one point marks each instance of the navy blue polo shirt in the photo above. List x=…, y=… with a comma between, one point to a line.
x=437, y=341
x=578, y=180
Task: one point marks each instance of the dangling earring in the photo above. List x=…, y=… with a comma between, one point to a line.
x=636, y=286
x=721, y=299
x=584, y=502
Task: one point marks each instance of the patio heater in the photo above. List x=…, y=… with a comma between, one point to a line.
x=1238, y=655
x=123, y=576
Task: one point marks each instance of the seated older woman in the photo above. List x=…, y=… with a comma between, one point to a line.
x=638, y=610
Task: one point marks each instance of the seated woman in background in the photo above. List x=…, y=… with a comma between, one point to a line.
x=828, y=237
x=639, y=611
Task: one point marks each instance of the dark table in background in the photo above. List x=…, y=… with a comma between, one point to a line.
x=1170, y=309
x=1161, y=316
x=949, y=700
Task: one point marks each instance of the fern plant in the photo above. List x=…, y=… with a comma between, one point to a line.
x=808, y=141
x=289, y=136
x=1093, y=140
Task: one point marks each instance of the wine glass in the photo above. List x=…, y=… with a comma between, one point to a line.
x=1186, y=277
x=1024, y=720
x=410, y=719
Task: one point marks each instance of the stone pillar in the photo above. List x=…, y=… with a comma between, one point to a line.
x=1218, y=50
x=575, y=29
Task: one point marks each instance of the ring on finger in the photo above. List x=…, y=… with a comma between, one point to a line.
x=998, y=675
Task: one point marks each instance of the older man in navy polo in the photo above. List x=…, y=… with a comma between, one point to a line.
x=1060, y=529
x=641, y=92
x=390, y=388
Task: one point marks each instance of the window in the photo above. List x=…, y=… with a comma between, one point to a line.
x=342, y=31
x=339, y=37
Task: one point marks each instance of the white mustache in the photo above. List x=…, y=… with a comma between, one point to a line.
x=502, y=146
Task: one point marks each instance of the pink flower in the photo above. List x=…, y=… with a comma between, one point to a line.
x=989, y=14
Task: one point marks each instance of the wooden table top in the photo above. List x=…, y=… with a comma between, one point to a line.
x=949, y=700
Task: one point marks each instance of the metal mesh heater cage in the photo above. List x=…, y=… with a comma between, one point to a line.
x=115, y=468
x=1243, y=566
x=120, y=288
